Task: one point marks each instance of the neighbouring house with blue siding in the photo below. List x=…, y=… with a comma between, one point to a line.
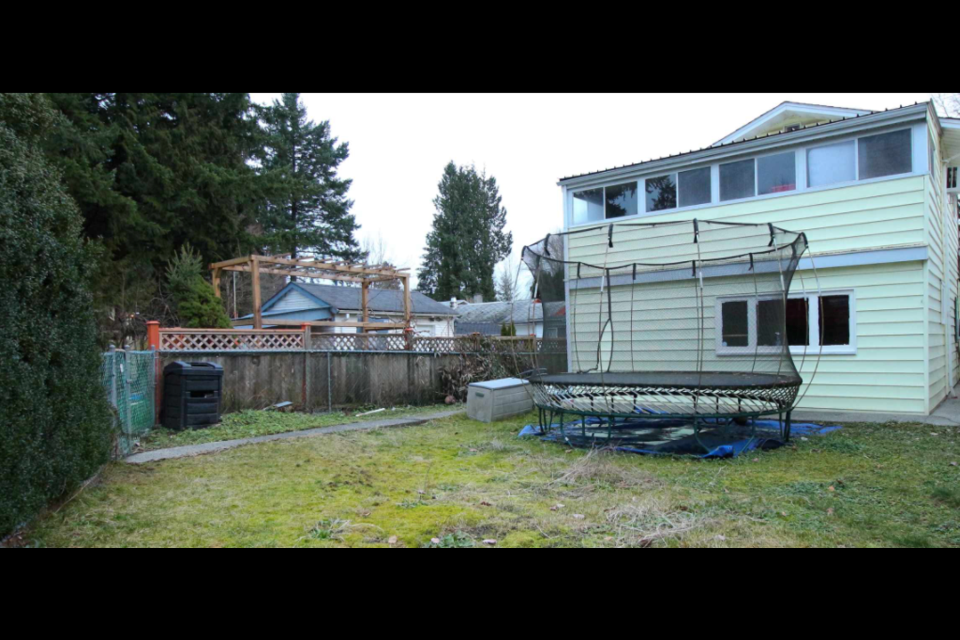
x=876, y=194
x=317, y=302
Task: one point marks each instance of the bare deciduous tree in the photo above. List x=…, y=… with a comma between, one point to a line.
x=947, y=104
x=378, y=254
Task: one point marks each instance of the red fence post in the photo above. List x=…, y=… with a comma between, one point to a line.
x=153, y=339
x=153, y=334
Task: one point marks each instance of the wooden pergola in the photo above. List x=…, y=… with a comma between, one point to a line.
x=284, y=265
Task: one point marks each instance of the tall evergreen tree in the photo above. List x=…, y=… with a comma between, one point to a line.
x=152, y=171
x=307, y=208
x=467, y=239
x=506, y=283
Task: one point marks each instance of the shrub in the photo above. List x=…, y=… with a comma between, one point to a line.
x=196, y=302
x=55, y=426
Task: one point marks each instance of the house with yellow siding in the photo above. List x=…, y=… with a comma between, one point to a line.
x=876, y=195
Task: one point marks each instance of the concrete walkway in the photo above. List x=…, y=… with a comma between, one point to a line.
x=213, y=447
x=945, y=415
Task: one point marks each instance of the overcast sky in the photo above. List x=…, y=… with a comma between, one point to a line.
x=399, y=145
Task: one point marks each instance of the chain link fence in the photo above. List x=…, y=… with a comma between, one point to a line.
x=129, y=380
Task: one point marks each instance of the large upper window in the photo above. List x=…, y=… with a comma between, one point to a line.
x=737, y=180
x=885, y=154
x=694, y=187
x=810, y=322
x=615, y=201
x=777, y=173
x=621, y=200
x=588, y=206
x=688, y=188
x=832, y=163
x=836, y=163
x=661, y=192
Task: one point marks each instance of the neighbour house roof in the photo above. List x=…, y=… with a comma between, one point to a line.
x=382, y=300
x=951, y=140
x=518, y=312
x=760, y=129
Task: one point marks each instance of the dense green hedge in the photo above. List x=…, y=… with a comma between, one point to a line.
x=55, y=427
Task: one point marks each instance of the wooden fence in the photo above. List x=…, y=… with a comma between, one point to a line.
x=328, y=371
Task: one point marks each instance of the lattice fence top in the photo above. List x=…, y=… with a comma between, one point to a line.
x=231, y=340
x=358, y=342
x=293, y=340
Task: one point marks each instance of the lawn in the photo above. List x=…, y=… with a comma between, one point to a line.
x=458, y=483
x=248, y=424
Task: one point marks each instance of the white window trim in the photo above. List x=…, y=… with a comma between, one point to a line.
x=603, y=193
x=813, y=323
x=642, y=186
x=918, y=164
x=756, y=173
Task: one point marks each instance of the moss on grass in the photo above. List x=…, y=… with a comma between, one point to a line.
x=462, y=482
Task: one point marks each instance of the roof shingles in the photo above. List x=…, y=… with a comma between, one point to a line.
x=382, y=300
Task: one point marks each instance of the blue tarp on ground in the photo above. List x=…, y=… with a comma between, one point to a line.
x=676, y=437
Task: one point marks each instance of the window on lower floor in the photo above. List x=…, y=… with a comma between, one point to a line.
x=735, y=325
x=806, y=322
x=835, y=320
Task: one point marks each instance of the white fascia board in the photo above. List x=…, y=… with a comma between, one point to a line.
x=712, y=154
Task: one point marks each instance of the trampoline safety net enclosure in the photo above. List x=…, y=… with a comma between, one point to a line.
x=668, y=320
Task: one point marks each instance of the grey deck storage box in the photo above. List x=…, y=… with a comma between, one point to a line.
x=498, y=399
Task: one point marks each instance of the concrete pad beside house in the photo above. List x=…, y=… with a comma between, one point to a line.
x=946, y=415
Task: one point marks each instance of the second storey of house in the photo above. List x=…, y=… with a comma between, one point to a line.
x=866, y=185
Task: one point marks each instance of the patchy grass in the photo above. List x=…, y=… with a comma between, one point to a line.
x=455, y=483
x=248, y=424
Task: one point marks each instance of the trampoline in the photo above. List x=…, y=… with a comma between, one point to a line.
x=648, y=324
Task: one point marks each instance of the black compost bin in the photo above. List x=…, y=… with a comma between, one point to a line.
x=191, y=394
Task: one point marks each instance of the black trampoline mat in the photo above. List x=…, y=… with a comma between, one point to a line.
x=673, y=380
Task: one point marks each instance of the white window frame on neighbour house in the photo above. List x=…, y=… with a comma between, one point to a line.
x=813, y=325
x=801, y=169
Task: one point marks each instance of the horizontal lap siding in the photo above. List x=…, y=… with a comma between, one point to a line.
x=941, y=236
x=860, y=217
x=893, y=301
x=887, y=372
x=890, y=314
